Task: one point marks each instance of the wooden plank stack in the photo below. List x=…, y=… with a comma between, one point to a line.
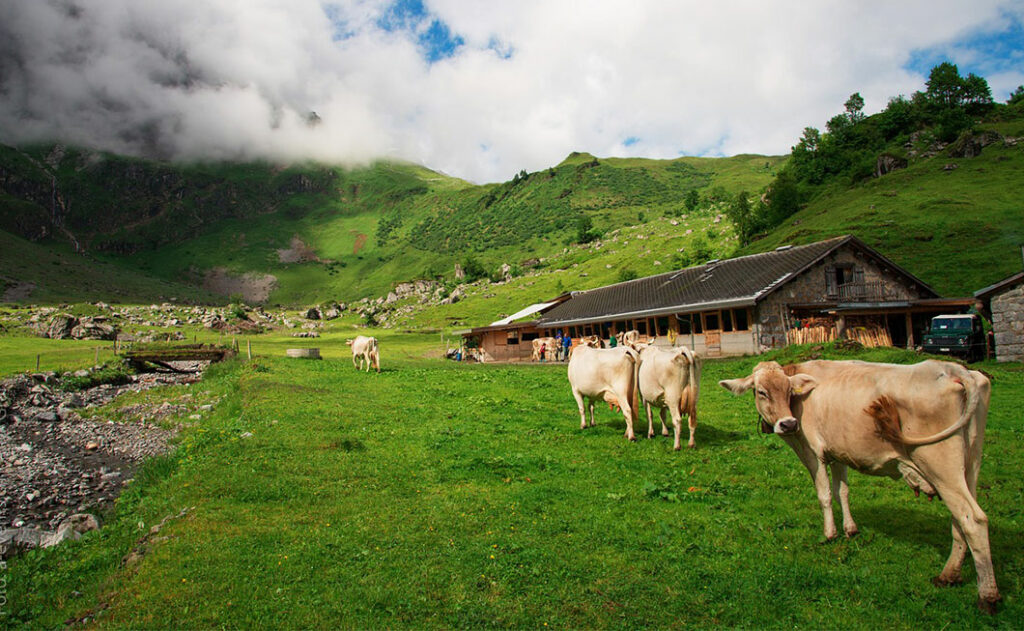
x=869, y=336
x=815, y=331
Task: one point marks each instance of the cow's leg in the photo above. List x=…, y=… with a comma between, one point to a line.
x=354, y=362
x=951, y=571
x=579, y=403
x=650, y=419
x=664, y=428
x=627, y=412
x=819, y=475
x=973, y=524
x=692, y=422
x=592, y=421
x=841, y=489
x=677, y=426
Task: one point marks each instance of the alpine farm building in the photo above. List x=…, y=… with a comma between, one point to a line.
x=835, y=288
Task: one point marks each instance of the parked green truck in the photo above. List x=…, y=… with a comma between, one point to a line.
x=961, y=335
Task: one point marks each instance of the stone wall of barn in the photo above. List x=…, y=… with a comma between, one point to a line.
x=812, y=286
x=1008, y=324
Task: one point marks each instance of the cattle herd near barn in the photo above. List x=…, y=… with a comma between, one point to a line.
x=924, y=423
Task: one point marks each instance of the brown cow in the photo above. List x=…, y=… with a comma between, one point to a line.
x=924, y=423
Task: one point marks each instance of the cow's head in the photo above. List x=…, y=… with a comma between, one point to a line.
x=773, y=390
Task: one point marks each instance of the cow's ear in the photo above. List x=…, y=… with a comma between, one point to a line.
x=802, y=384
x=738, y=386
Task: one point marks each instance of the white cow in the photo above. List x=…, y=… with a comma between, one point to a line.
x=924, y=423
x=629, y=338
x=670, y=379
x=364, y=349
x=549, y=348
x=607, y=374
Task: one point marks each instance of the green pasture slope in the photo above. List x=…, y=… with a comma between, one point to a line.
x=367, y=228
x=958, y=230
x=444, y=495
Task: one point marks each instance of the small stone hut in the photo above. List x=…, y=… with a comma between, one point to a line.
x=1003, y=302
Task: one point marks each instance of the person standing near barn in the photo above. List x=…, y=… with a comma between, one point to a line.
x=558, y=346
x=566, y=344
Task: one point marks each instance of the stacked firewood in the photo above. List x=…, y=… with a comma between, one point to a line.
x=869, y=336
x=812, y=331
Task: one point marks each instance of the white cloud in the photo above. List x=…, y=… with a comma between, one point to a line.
x=532, y=81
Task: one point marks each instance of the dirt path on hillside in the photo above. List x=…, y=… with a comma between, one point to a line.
x=253, y=287
x=17, y=293
x=360, y=242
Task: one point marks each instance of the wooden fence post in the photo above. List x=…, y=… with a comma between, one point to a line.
x=248, y=348
x=37, y=362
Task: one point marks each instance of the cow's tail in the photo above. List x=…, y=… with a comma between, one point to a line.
x=349, y=342
x=889, y=427
x=635, y=387
x=695, y=368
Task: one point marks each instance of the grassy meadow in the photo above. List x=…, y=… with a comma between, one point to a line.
x=436, y=494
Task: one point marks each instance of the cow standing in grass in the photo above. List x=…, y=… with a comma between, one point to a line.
x=364, y=349
x=547, y=343
x=629, y=338
x=670, y=380
x=924, y=423
x=606, y=374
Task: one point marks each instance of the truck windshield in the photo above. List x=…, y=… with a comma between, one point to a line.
x=951, y=324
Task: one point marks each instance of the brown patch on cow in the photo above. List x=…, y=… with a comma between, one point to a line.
x=791, y=369
x=360, y=242
x=887, y=419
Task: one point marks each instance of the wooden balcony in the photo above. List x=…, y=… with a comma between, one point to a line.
x=874, y=291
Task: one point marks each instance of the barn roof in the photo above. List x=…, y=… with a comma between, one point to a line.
x=737, y=282
x=1007, y=283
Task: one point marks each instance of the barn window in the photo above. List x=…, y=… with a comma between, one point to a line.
x=606, y=328
x=685, y=324
x=711, y=321
x=513, y=337
x=641, y=327
x=698, y=326
x=662, y=322
x=740, y=320
x=530, y=336
x=726, y=320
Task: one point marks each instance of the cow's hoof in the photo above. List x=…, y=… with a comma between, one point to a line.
x=989, y=605
x=677, y=448
x=850, y=534
x=942, y=581
x=690, y=446
x=650, y=434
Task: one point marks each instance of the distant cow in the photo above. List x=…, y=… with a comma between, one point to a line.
x=549, y=347
x=670, y=379
x=629, y=338
x=924, y=423
x=364, y=349
x=606, y=374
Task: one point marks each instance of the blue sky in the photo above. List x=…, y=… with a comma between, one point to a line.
x=987, y=51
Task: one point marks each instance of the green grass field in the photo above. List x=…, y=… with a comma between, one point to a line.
x=445, y=495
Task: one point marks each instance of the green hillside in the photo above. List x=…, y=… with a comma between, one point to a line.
x=945, y=206
x=955, y=222
x=327, y=232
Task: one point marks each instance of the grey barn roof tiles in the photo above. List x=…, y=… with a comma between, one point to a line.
x=736, y=282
